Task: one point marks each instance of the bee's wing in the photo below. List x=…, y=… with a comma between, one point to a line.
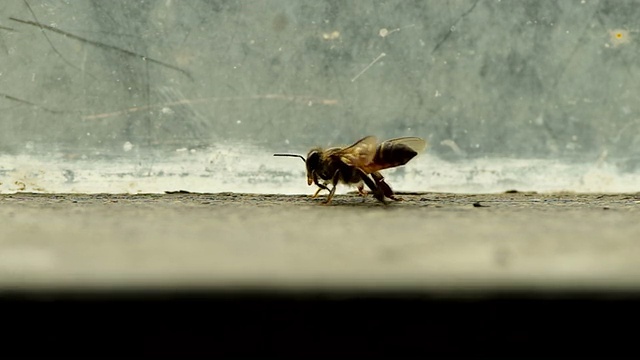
x=360, y=154
x=394, y=152
x=415, y=143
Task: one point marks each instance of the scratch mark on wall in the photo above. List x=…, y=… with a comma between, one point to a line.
x=307, y=100
x=384, y=32
x=368, y=66
x=450, y=31
x=104, y=46
x=37, y=23
x=27, y=102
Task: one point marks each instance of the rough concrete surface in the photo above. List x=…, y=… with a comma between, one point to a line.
x=430, y=241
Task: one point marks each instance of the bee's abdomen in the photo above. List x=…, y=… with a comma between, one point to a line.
x=394, y=154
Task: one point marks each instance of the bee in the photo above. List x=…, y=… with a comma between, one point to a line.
x=359, y=164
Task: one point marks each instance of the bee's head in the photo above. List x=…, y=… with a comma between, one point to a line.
x=312, y=163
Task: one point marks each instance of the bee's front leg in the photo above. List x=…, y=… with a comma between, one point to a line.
x=336, y=178
x=320, y=186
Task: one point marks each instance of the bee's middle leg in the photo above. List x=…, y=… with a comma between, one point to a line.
x=361, y=189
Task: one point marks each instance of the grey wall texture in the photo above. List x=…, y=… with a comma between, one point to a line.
x=530, y=78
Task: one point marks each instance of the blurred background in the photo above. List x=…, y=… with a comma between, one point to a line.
x=161, y=95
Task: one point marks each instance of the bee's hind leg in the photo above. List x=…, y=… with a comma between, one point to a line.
x=384, y=187
x=377, y=191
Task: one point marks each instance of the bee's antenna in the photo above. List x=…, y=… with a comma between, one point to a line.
x=292, y=155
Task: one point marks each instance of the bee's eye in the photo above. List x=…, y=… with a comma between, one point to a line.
x=312, y=160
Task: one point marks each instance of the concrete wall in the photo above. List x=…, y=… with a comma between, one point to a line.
x=548, y=79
